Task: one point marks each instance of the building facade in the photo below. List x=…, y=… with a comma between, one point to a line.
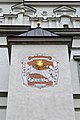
x=44, y=36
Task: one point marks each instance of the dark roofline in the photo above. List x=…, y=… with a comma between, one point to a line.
x=37, y=40
x=66, y=36
x=8, y=30
x=38, y=31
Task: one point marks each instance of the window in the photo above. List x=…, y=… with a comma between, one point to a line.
x=65, y=26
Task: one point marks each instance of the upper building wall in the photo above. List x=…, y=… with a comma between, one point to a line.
x=51, y=16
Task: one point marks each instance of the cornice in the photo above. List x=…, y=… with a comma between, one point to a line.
x=53, y=18
x=19, y=29
x=52, y=3
x=6, y=30
x=11, y=1
x=75, y=18
x=65, y=31
x=36, y=18
x=10, y=15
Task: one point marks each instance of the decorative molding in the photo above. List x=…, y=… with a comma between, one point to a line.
x=24, y=7
x=7, y=30
x=36, y=18
x=42, y=18
x=66, y=15
x=76, y=57
x=44, y=13
x=53, y=18
x=40, y=71
x=10, y=15
x=75, y=18
x=64, y=9
x=67, y=31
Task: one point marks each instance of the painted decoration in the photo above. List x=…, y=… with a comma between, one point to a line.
x=40, y=71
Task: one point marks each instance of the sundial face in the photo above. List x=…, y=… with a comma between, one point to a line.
x=40, y=71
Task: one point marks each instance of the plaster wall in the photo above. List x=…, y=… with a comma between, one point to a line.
x=74, y=73
x=40, y=10
x=76, y=42
x=77, y=103
x=3, y=101
x=32, y=103
x=3, y=41
x=77, y=115
x=74, y=67
x=4, y=69
x=2, y=114
x=6, y=8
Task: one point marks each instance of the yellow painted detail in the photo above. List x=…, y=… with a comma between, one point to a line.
x=39, y=64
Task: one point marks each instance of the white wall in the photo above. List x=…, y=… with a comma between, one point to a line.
x=74, y=75
x=77, y=115
x=4, y=66
x=74, y=67
x=33, y=103
x=21, y=20
x=2, y=114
